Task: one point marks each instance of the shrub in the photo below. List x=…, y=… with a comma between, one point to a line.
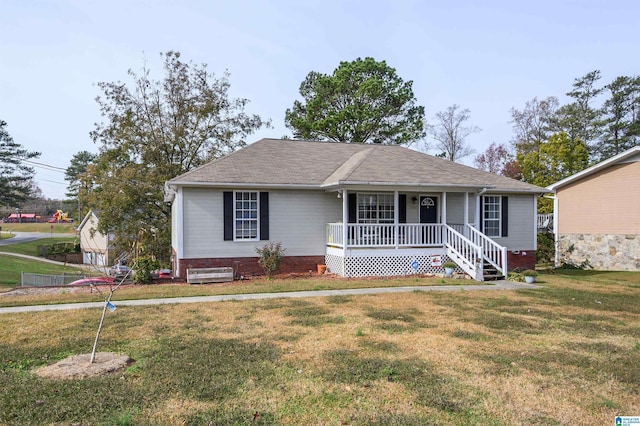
x=142, y=268
x=52, y=249
x=530, y=273
x=271, y=255
x=546, y=249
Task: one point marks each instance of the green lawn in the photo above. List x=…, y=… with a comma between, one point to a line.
x=12, y=266
x=54, y=228
x=31, y=247
x=564, y=354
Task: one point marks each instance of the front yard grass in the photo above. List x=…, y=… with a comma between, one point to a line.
x=564, y=354
x=255, y=285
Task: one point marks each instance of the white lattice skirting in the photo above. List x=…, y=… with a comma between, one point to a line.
x=385, y=263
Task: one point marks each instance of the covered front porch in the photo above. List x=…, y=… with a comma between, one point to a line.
x=375, y=237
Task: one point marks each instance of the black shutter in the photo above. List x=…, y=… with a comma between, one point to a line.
x=228, y=215
x=481, y=224
x=264, y=215
x=353, y=208
x=402, y=208
x=505, y=216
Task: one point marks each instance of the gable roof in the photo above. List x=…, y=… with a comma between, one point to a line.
x=88, y=216
x=628, y=156
x=328, y=165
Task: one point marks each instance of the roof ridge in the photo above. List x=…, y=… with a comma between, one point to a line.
x=349, y=166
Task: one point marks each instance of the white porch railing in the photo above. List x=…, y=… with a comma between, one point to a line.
x=335, y=237
x=385, y=235
x=464, y=252
x=545, y=221
x=467, y=246
x=492, y=252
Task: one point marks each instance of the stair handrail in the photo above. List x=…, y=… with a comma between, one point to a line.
x=464, y=252
x=491, y=251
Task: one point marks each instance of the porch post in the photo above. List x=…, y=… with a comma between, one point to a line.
x=396, y=214
x=345, y=221
x=466, y=208
x=444, y=207
x=478, y=212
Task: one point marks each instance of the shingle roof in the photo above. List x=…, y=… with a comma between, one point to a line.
x=275, y=162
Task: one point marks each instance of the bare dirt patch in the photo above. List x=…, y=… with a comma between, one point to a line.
x=79, y=367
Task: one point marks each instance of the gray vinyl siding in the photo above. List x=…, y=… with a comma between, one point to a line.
x=522, y=222
x=297, y=219
x=455, y=208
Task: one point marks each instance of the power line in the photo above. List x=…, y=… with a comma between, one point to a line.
x=46, y=166
x=53, y=181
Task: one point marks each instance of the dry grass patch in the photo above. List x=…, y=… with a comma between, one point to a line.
x=462, y=358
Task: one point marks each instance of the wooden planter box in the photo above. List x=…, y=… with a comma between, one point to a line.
x=209, y=275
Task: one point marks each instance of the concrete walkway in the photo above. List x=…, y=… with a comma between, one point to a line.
x=497, y=285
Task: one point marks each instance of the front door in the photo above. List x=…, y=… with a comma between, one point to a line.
x=428, y=209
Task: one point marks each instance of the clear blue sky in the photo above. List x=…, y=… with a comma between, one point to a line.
x=486, y=56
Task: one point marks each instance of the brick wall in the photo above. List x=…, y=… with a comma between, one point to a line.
x=521, y=261
x=249, y=266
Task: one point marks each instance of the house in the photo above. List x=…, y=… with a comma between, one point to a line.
x=360, y=209
x=97, y=248
x=597, y=215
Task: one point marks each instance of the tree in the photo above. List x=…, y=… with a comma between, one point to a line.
x=579, y=119
x=16, y=178
x=531, y=125
x=622, y=117
x=155, y=131
x=363, y=101
x=79, y=182
x=557, y=158
x=76, y=170
x=496, y=159
x=451, y=131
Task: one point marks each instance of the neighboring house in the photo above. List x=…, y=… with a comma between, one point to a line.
x=597, y=215
x=97, y=248
x=360, y=209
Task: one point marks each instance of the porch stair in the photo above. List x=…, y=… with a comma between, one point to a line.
x=490, y=272
x=476, y=254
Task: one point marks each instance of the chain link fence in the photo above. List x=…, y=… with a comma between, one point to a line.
x=43, y=280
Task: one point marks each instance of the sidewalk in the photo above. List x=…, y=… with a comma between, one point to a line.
x=497, y=285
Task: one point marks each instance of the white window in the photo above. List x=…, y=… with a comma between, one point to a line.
x=245, y=215
x=491, y=216
x=375, y=208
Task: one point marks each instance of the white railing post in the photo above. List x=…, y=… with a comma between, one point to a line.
x=504, y=261
x=345, y=221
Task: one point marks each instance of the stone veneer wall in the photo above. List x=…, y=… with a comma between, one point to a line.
x=600, y=252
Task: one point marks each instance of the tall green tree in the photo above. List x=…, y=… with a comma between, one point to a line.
x=580, y=119
x=79, y=183
x=76, y=170
x=363, y=101
x=155, y=130
x=16, y=177
x=557, y=158
x=451, y=130
x=622, y=117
